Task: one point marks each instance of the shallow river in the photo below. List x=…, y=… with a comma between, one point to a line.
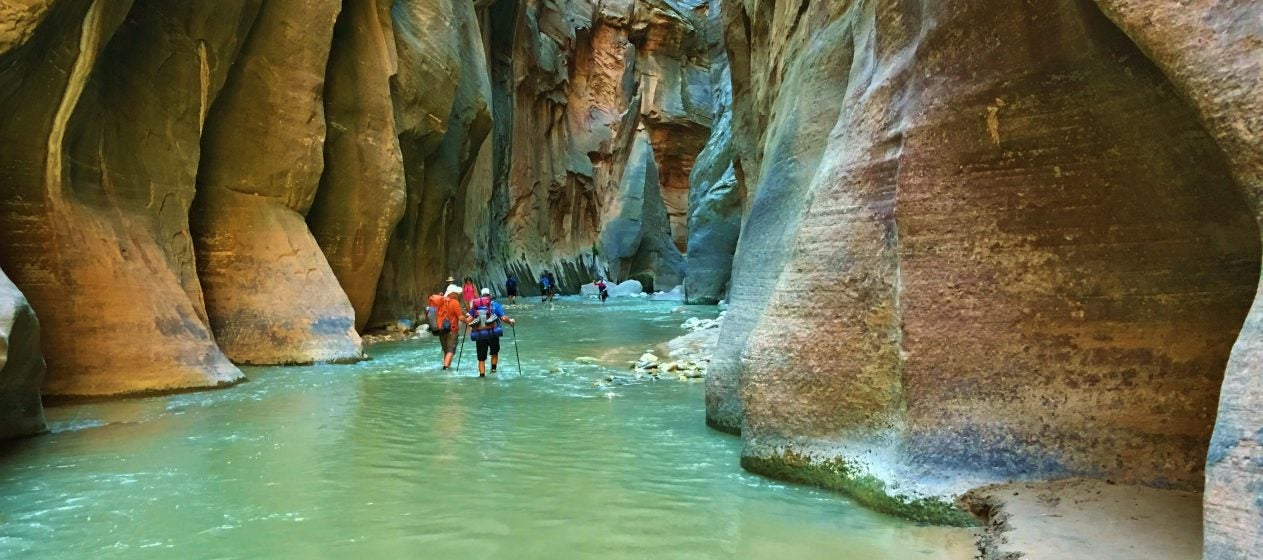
x=392, y=458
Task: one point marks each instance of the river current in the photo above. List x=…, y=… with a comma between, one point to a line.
x=393, y=458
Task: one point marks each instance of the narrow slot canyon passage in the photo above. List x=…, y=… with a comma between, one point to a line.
x=639, y=278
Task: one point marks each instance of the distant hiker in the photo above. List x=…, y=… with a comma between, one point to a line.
x=545, y=287
x=602, y=290
x=552, y=286
x=447, y=320
x=471, y=292
x=484, y=319
x=510, y=286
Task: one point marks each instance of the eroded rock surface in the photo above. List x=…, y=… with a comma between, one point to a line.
x=270, y=294
x=595, y=78
x=98, y=169
x=716, y=200
x=1021, y=258
x=21, y=365
x=361, y=195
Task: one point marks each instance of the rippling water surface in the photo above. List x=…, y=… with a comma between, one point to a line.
x=392, y=458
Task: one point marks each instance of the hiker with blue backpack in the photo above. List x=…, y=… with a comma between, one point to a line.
x=484, y=319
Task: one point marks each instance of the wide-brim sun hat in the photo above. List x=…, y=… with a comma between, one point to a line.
x=451, y=280
x=451, y=289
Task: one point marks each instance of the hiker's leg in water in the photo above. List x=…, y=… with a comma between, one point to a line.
x=495, y=352
x=448, y=342
x=483, y=346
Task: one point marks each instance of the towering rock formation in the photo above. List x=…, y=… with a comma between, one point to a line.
x=98, y=154
x=575, y=88
x=443, y=113
x=269, y=176
x=21, y=365
x=270, y=293
x=716, y=200
x=361, y=195
x=1025, y=247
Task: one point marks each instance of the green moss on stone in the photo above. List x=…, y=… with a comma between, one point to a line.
x=724, y=427
x=838, y=474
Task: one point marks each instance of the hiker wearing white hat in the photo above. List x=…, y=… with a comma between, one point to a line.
x=450, y=313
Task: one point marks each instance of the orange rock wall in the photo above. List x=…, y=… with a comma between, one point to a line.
x=187, y=186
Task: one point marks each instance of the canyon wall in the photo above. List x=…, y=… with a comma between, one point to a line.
x=716, y=199
x=578, y=90
x=995, y=240
x=188, y=187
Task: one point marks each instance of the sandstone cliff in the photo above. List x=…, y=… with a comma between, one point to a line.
x=1028, y=238
x=596, y=79
x=98, y=167
x=187, y=187
x=716, y=199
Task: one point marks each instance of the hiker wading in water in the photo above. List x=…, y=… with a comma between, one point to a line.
x=471, y=292
x=484, y=319
x=448, y=318
x=510, y=288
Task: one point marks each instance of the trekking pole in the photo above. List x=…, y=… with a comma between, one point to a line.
x=462, y=348
x=515, y=350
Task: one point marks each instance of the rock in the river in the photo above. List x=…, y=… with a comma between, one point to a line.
x=647, y=361
x=980, y=225
x=629, y=288
x=21, y=365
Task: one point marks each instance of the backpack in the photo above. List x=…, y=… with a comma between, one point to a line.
x=482, y=312
x=434, y=323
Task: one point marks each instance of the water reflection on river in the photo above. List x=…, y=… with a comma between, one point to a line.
x=392, y=458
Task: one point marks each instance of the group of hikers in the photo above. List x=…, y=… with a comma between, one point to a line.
x=465, y=305
x=480, y=312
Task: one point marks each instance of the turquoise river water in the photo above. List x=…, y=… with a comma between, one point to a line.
x=393, y=458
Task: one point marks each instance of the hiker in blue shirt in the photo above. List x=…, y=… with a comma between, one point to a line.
x=510, y=286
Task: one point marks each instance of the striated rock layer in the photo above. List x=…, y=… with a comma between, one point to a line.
x=21, y=365
x=1213, y=54
x=716, y=200
x=98, y=171
x=985, y=241
x=261, y=164
x=578, y=89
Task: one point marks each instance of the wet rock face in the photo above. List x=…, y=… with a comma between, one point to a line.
x=21, y=365
x=1213, y=54
x=576, y=91
x=262, y=160
x=98, y=169
x=1020, y=257
x=715, y=199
